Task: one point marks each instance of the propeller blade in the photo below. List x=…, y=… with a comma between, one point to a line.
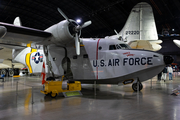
x=86, y=24
x=62, y=13
x=116, y=32
x=119, y=36
x=77, y=44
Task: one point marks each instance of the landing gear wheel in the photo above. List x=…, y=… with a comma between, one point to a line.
x=50, y=78
x=3, y=71
x=11, y=73
x=53, y=95
x=135, y=88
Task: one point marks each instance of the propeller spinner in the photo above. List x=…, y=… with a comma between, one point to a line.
x=76, y=30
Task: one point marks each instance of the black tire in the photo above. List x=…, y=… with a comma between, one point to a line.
x=11, y=72
x=16, y=71
x=53, y=95
x=134, y=87
x=4, y=72
x=50, y=78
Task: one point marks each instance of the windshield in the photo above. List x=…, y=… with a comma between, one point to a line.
x=119, y=46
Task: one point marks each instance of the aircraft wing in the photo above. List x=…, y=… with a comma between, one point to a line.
x=19, y=35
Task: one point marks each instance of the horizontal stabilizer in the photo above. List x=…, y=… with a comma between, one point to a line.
x=155, y=41
x=147, y=45
x=141, y=44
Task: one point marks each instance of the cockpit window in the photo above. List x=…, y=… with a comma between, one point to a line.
x=124, y=46
x=112, y=47
x=119, y=46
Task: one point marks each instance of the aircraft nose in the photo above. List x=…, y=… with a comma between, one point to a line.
x=168, y=59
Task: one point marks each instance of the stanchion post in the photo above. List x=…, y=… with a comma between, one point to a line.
x=94, y=87
x=32, y=96
x=17, y=88
x=151, y=83
x=16, y=92
x=138, y=85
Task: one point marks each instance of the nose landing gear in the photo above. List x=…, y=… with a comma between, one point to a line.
x=137, y=86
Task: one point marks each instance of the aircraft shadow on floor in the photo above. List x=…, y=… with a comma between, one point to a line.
x=106, y=95
x=89, y=93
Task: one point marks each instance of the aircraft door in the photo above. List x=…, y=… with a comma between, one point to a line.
x=66, y=63
x=56, y=56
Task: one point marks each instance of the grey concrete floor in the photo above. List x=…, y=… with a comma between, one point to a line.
x=111, y=102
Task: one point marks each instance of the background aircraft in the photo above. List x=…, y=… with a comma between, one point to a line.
x=177, y=42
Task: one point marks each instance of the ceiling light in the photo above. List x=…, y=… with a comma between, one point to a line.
x=78, y=20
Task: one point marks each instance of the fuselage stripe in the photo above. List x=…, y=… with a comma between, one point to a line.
x=97, y=58
x=28, y=59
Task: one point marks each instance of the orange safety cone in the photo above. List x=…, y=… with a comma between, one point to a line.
x=43, y=74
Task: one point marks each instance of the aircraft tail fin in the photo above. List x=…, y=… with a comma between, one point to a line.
x=32, y=58
x=140, y=25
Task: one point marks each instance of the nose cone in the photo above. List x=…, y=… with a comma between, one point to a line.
x=168, y=59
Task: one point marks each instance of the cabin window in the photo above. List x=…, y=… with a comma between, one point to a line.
x=118, y=46
x=112, y=47
x=85, y=56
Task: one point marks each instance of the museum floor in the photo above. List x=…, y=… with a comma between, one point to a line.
x=111, y=102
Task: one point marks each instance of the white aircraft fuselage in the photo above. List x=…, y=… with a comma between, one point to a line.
x=112, y=61
x=106, y=61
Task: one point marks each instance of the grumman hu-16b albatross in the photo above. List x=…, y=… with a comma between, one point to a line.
x=140, y=29
x=106, y=60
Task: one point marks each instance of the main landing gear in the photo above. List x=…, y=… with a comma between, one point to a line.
x=137, y=86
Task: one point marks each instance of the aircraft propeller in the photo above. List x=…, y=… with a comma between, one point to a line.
x=122, y=38
x=77, y=29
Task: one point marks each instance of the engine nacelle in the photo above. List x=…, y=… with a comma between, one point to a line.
x=63, y=32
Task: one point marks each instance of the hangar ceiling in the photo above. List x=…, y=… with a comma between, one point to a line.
x=106, y=15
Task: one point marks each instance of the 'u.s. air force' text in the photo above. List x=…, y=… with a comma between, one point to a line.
x=125, y=61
